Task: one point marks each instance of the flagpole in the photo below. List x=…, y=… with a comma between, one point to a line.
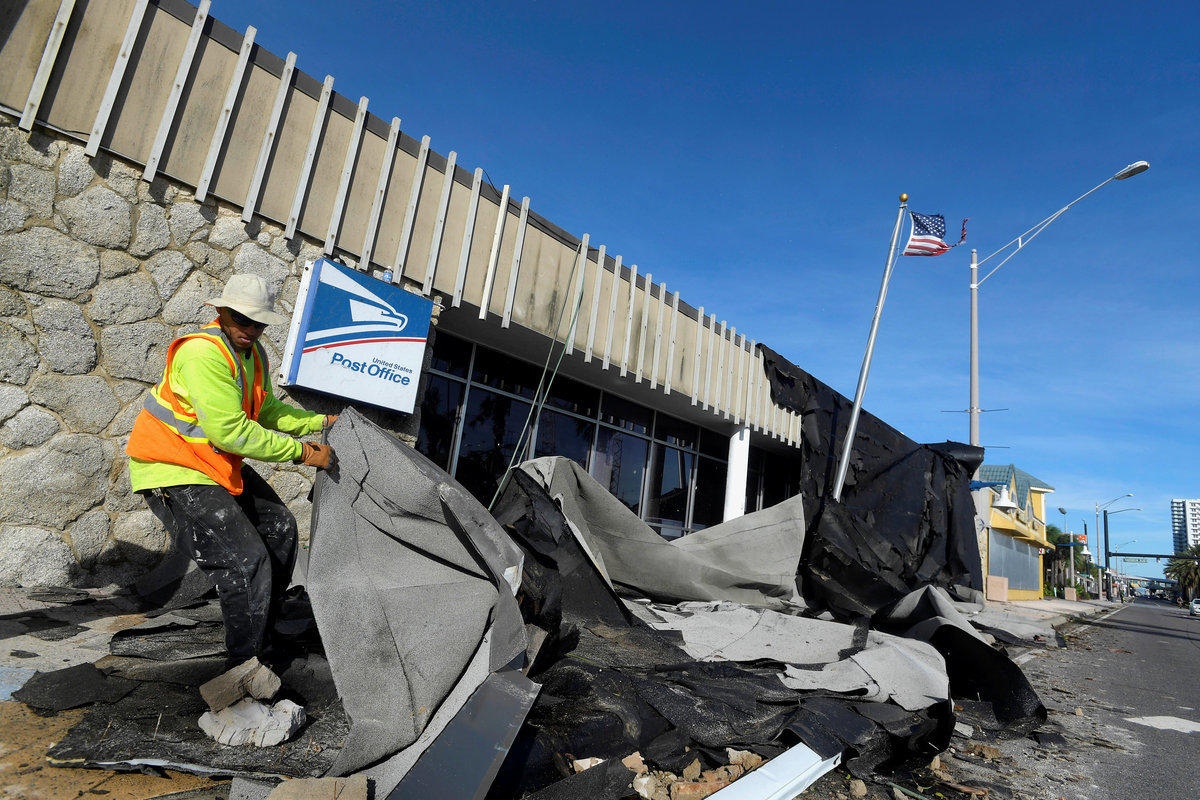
x=844, y=463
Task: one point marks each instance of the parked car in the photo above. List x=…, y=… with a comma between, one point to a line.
x=1194, y=608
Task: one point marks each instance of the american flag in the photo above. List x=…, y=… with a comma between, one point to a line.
x=928, y=237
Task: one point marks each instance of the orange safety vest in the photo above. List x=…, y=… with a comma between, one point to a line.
x=166, y=432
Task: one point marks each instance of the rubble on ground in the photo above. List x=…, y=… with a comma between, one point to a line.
x=558, y=647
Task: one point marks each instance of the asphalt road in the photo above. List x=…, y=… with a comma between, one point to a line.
x=1121, y=695
x=1134, y=677
x=1143, y=669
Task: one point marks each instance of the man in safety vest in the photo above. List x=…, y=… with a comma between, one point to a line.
x=213, y=408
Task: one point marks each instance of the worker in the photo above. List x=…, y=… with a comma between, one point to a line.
x=213, y=408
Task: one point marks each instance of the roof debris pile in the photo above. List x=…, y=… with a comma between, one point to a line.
x=146, y=711
x=561, y=648
x=900, y=549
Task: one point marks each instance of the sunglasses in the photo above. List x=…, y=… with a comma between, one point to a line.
x=244, y=321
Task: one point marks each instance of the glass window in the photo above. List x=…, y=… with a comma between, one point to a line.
x=625, y=414
x=619, y=465
x=753, y=479
x=714, y=444
x=573, y=396
x=492, y=424
x=504, y=373
x=439, y=418
x=451, y=355
x=780, y=481
x=667, y=497
x=673, y=431
x=562, y=435
x=709, y=506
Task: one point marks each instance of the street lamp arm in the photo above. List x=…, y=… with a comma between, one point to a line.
x=1031, y=234
x=1100, y=506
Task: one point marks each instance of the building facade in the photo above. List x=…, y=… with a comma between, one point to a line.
x=129, y=195
x=1185, y=524
x=1016, y=530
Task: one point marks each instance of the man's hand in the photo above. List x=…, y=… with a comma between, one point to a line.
x=320, y=456
x=329, y=420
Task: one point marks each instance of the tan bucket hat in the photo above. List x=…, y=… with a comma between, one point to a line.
x=249, y=295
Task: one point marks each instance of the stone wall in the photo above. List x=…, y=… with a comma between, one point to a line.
x=99, y=271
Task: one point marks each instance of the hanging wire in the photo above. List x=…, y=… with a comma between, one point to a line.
x=547, y=377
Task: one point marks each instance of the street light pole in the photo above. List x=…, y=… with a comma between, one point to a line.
x=1107, y=581
x=1098, y=507
x=1087, y=560
x=1020, y=242
x=973, y=409
x=1070, y=552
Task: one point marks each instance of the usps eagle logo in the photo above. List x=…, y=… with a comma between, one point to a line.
x=363, y=317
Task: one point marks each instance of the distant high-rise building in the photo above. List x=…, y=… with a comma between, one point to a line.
x=1185, y=524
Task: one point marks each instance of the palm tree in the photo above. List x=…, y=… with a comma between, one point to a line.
x=1186, y=571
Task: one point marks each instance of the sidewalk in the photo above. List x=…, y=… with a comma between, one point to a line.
x=1053, y=611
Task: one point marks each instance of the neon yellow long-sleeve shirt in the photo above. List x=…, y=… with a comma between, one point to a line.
x=202, y=382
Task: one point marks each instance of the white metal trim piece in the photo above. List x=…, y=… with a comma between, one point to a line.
x=591, y=337
x=747, y=408
x=435, y=245
x=710, y=339
x=643, y=327
x=494, y=255
x=718, y=397
x=738, y=406
x=115, y=78
x=696, y=356
x=339, y=204
x=468, y=236
x=758, y=392
x=168, y=115
x=385, y=174
x=731, y=368
x=41, y=78
x=671, y=343
x=612, y=312
x=510, y=296
x=231, y=95
x=576, y=298
x=658, y=333
x=629, y=319
x=783, y=777
x=310, y=155
x=268, y=142
x=410, y=211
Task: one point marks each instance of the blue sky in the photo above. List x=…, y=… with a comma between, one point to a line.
x=751, y=156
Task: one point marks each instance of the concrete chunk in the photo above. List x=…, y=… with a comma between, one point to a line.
x=249, y=679
x=252, y=722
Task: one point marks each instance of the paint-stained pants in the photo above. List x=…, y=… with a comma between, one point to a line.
x=245, y=544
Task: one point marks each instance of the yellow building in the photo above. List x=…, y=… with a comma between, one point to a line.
x=1015, y=535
